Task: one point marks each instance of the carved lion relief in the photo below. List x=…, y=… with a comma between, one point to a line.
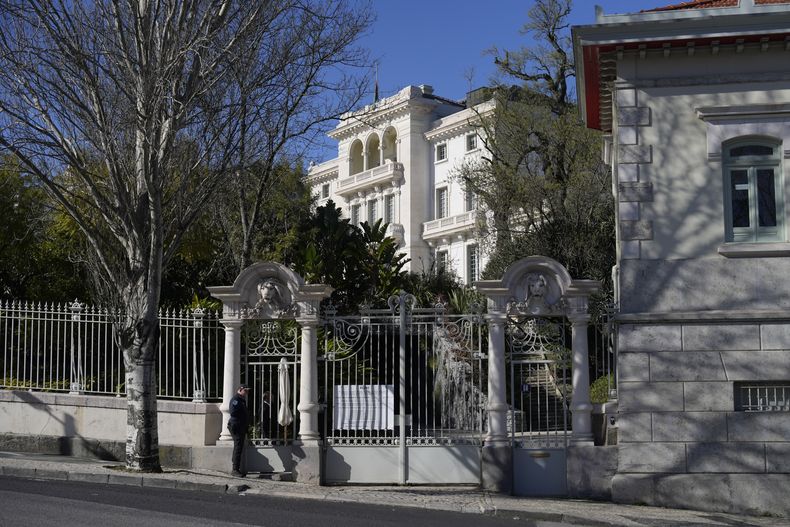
x=271, y=301
x=536, y=300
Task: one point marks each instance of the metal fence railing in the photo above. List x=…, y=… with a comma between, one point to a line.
x=768, y=396
x=72, y=347
x=602, y=339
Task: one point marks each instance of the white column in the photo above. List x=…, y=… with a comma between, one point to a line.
x=581, y=407
x=308, y=387
x=497, y=381
x=232, y=373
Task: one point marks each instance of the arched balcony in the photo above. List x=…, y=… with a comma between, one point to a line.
x=355, y=158
x=373, y=152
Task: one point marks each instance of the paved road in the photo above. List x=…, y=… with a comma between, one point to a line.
x=64, y=504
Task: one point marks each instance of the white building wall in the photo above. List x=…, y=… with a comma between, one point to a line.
x=417, y=115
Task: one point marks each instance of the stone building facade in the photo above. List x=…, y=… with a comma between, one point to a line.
x=695, y=101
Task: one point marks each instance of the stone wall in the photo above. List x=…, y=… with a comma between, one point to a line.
x=90, y=417
x=681, y=441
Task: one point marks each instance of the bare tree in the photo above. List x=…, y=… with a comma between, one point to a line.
x=316, y=74
x=541, y=177
x=126, y=113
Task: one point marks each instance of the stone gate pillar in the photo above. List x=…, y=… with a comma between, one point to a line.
x=497, y=454
x=581, y=407
x=308, y=387
x=531, y=287
x=307, y=450
x=232, y=371
x=271, y=291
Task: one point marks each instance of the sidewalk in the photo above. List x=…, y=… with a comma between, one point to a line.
x=456, y=499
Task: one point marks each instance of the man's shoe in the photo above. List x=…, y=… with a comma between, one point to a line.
x=237, y=474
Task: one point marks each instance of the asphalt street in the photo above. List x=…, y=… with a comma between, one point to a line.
x=26, y=502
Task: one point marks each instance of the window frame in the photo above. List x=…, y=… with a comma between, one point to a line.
x=472, y=271
x=325, y=191
x=751, y=164
x=441, y=152
x=474, y=143
x=373, y=211
x=355, y=213
x=470, y=201
x=442, y=260
x=442, y=207
x=389, y=208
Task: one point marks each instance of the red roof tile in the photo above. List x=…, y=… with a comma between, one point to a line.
x=708, y=4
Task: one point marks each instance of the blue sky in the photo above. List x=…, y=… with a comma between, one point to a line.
x=437, y=42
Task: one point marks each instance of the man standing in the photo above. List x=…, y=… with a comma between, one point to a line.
x=237, y=426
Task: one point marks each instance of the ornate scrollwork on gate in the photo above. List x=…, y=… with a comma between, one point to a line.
x=271, y=338
x=343, y=336
x=534, y=336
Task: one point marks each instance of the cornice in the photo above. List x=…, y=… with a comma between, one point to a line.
x=719, y=113
x=459, y=122
x=372, y=115
x=325, y=171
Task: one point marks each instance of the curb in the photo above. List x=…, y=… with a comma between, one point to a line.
x=119, y=479
x=479, y=504
x=557, y=517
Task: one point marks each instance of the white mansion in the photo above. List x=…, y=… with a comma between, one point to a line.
x=395, y=162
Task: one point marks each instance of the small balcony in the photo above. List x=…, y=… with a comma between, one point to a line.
x=463, y=223
x=381, y=175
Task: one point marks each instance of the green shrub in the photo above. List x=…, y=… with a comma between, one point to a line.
x=599, y=390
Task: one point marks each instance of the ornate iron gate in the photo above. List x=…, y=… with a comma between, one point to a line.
x=270, y=365
x=402, y=395
x=540, y=388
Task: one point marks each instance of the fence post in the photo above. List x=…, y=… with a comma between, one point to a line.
x=76, y=377
x=401, y=304
x=198, y=377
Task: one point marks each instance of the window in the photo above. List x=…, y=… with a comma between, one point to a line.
x=441, y=203
x=373, y=211
x=471, y=142
x=762, y=396
x=753, y=191
x=355, y=214
x=473, y=263
x=325, y=191
x=470, y=201
x=389, y=208
x=441, y=152
x=441, y=261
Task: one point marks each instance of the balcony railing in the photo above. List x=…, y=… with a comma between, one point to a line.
x=459, y=223
x=385, y=173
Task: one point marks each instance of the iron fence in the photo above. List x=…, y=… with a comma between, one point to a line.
x=72, y=347
x=414, y=377
x=602, y=338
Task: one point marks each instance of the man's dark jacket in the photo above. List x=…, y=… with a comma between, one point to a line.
x=238, y=413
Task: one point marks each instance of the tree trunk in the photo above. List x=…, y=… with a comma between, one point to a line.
x=140, y=342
